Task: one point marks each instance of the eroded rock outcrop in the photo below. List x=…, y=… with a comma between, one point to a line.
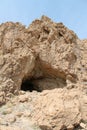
x=49, y=58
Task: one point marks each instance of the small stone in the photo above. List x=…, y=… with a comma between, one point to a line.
x=83, y=125
x=11, y=119
x=70, y=127
x=27, y=113
x=22, y=92
x=19, y=114
x=9, y=110
x=23, y=98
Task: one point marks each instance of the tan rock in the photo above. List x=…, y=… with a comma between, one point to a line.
x=11, y=119
x=48, y=58
x=83, y=125
x=23, y=98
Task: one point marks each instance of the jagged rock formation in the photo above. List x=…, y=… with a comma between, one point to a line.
x=48, y=58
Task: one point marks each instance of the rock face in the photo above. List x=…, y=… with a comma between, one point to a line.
x=50, y=59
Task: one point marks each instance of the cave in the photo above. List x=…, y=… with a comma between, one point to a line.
x=28, y=85
x=42, y=83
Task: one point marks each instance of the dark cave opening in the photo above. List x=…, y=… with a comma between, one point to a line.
x=42, y=83
x=28, y=85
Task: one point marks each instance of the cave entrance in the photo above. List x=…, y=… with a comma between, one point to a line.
x=28, y=85
x=42, y=83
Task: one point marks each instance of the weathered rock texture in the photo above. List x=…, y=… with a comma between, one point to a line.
x=51, y=59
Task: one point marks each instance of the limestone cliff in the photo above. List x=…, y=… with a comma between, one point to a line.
x=50, y=59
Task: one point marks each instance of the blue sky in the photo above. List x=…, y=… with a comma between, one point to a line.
x=73, y=13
